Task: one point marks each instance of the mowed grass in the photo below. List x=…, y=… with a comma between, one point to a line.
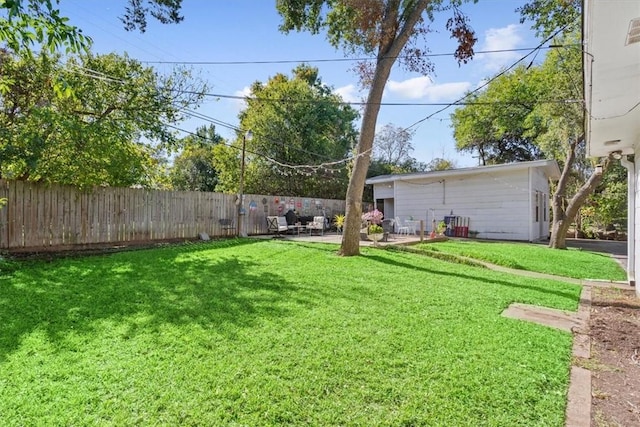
x=271, y=333
x=573, y=263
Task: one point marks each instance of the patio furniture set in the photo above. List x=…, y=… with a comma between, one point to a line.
x=292, y=224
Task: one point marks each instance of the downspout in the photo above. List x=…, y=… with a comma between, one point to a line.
x=631, y=220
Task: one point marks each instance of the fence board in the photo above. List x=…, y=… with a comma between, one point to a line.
x=40, y=216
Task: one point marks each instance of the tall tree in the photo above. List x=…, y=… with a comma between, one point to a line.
x=194, y=168
x=493, y=123
x=297, y=123
x=559, y=130
x=389, y=29
x=551, y=121
x=393, y=145
x=107, y=130
x=566, y=121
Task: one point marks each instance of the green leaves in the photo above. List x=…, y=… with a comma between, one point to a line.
x=37, y=23
x=494, y=123
x=96, y=120
x=296, y=122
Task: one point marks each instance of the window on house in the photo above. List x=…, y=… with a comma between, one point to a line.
x=537, y=206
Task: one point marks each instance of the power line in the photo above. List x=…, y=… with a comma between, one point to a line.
x=306, y=169
x=459, y=101
x=237, y=129
x=87, y=72
x=320, y=60
x=389, y=104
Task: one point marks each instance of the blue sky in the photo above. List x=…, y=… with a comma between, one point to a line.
x=247, y=30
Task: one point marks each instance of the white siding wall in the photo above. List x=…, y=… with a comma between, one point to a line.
x=383, y=191
x=498, y=204
x=635, y=217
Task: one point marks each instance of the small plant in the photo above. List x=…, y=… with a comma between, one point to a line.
x=375, y=229
x=442, y=226
x=338, y=220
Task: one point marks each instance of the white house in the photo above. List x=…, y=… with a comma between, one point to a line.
x=508, y=201
x=611, y=58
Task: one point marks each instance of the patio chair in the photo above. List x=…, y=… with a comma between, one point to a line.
x=402, y=229
x=317, y=224
x=227, y=225
x=277, y=224
x=388, y=226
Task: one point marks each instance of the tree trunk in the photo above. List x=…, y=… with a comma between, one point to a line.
x=391, y=45
x=562, y=217
x=353, y=216
x=559, y=234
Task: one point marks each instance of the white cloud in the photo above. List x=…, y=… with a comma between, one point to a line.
x=505, y=38
x=240, y=104
x=425, y=88
x=348, y=93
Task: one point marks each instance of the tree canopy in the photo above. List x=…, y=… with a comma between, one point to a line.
x=194, y=168
x=493, y=124
x=26, y=23
x=108, y=130
x=539, y=112
x=297, y=124
x=393, y=145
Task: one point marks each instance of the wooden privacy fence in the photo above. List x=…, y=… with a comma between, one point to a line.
x=39, y=216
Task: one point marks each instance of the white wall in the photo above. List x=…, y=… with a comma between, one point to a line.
x=635, y=217
x=383, y=191
x=497, y=203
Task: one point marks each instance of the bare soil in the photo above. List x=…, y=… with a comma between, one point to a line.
x=615, y=358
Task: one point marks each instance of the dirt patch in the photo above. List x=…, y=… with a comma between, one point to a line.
x=615, y=358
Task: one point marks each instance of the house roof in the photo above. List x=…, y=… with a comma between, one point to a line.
x=612, y=75
x=550, y=166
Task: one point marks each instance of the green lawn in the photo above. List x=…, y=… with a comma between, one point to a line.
x=533, y=257
x=276, y=333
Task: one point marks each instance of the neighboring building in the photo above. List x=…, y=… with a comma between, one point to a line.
x=508, y=201
x=611, y=31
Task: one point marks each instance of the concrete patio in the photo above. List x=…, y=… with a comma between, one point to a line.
x=333, y=237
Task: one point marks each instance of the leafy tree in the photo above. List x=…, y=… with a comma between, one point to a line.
x=391, y=30
x=193, y=169
x=559, y=130
x=26, y=23
x=537, y=109
x=549, y=15
x=440, y=164
x=606, y=208
x=295, y=121
x=493, y=124
x=562, y=124
x=107, y=131
x=393, y=145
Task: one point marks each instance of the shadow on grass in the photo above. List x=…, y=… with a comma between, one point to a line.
x=143, y=290
x=557, y=292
